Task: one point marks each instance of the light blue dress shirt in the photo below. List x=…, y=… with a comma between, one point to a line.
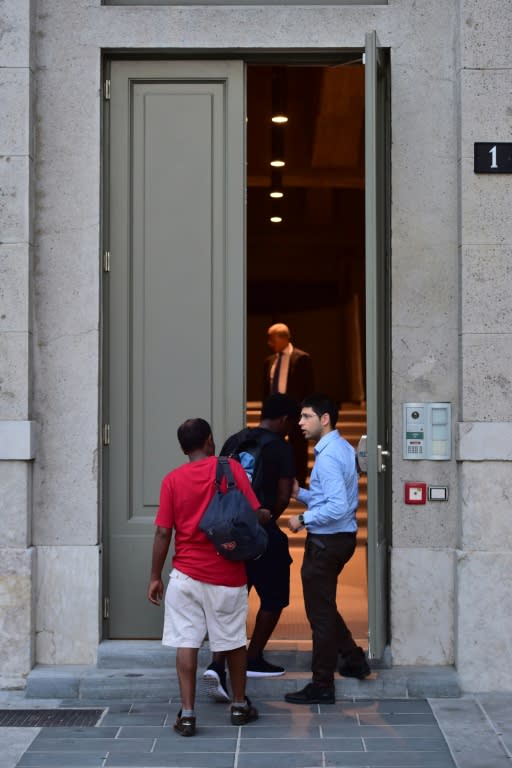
x=332, y=497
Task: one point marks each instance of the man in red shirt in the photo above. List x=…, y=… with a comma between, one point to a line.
x=206, y=593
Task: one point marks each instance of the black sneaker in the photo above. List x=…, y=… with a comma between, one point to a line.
x=258, y=667
x=355, y=665
x=243, y=715
x=214, y=678
x=185, y=726
x=312, y=694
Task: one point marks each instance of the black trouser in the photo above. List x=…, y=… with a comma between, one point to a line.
x=324, y=558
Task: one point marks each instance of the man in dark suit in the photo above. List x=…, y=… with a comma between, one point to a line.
x=289, y=370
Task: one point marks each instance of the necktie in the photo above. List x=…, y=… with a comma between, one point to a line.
x=277, y=371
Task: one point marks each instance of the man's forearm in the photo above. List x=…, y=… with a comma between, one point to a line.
x=161, y=544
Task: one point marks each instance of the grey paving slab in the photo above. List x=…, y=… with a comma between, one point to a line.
x=176, y=760
x=387, y=731
x=62, y=760
x=306, y=760
x=498, y=708
x=470, y=734
x=396, y=718
x=195, y=745
x=389, y=760
x=278, y=746
x=63, y=733
x=127, y=718
x=405, y=744
x=13, y=743
x=225, y=731
x=56, y=746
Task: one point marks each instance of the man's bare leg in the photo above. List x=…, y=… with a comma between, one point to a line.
x=237, y=665
x=186, y=667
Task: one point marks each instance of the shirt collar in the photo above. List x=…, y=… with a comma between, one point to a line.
x=287, y=350
x=325, y=440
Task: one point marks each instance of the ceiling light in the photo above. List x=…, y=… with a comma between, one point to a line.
x=276, y=193
x=277, y=163
x=280, y=119
x=276, y=219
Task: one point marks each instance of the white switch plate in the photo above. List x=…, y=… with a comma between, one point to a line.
x=438, y=493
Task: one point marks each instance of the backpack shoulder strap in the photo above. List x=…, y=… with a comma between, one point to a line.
x=223, y=469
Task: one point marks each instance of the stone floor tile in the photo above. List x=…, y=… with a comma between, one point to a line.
x=67, y=732
x=406, y=744
x=176, y=760
x=396, y=718
x=57, y=746
x=303, y=760
x=62, y=760
x=279, y=746
x=386, y=731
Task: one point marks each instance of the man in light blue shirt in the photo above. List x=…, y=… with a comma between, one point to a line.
x=331, y=525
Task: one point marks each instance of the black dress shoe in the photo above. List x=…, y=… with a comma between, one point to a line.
x=312, y=694
x=355, y=665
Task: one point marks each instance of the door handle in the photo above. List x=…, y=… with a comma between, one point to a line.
x=381, y=455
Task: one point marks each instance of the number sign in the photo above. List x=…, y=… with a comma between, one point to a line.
x=493, y=157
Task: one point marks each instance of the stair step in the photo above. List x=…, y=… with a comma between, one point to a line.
x=99, y=684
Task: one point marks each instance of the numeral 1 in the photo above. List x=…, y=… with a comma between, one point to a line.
x=492, y=153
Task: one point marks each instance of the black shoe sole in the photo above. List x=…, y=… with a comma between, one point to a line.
x=317, y=700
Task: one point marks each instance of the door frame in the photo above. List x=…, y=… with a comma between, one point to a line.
x=288, y=57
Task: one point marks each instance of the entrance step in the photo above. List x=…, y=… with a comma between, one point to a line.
x=144, y=669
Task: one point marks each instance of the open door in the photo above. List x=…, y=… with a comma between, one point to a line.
x=174, y=291
x=377, y=338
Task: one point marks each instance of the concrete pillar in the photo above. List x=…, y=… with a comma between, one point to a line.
x=17, y=447
x=484, y=566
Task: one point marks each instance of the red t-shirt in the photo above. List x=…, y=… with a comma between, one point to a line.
x=184, y=496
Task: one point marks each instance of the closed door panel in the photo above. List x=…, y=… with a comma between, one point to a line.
x=174, y=312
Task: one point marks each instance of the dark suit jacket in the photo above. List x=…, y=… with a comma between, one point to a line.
x=300, y=375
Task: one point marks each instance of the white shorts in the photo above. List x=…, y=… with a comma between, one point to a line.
x=194, y=609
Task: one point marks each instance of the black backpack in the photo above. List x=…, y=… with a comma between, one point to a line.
x=230, y=522
x=247, y=451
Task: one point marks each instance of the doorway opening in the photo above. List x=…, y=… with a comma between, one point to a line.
x=306, y=268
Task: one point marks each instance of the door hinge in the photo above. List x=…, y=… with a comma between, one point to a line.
x=106, y=434
x=106, y=90
x=106, y=261
x=106, y=607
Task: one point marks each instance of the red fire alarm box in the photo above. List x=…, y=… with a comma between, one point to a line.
x=415, y=493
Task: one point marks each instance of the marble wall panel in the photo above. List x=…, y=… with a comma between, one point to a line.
x=67, y=613
x=487, y=375
x=15, y=384
x=16, y=45
x=422, y=606
x=486, y=498
x=66, y=408
x=15, y=223
x=484, y=621
x=15, y=298
x=15, y=503
x=485, y=33
x=486, y=106
x=486, y=289
x=487, y=202
x=16, y=611
x=15, y=131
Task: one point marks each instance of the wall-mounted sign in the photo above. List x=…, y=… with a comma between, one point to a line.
x=493, y=157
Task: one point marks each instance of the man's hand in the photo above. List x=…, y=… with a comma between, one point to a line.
x=155, y=591
x=294, y=524
x=263, y=515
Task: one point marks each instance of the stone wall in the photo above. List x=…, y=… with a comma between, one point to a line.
x=17, y=447
x=451, y=305
x=484, y=556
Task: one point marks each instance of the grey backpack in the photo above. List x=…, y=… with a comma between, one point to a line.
x=230, y=522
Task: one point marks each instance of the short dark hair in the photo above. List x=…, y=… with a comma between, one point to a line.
x=321, y=404
x=193, y=434
x=278, y=405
